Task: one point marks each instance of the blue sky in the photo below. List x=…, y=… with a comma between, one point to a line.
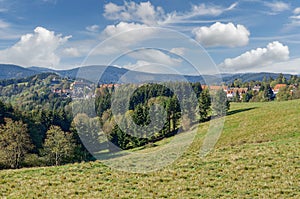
x=155, y=36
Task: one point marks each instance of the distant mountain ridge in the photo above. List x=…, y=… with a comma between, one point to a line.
x=111, y=74
x=10, y=71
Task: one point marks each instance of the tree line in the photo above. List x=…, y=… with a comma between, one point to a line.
x=184, y=105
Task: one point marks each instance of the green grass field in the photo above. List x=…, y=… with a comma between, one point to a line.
x=257, y=156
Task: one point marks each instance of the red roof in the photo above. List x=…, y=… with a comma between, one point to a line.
x=278, y=86
x=214, y=87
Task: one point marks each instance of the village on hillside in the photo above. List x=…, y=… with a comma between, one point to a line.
x=81, y=89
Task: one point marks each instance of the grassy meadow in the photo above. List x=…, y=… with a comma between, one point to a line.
x=257, y=156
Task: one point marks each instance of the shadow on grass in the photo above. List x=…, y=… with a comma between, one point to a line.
x=115, y=152
x=240, y=110
x=109, y=155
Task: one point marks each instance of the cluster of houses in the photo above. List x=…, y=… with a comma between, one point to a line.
x=81, y=89
x=57, y=90
x=232, y=92
x=78, y=89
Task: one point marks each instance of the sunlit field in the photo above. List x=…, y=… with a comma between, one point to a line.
x=257, y=156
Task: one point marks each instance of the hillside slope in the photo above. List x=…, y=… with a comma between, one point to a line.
x=257, y=156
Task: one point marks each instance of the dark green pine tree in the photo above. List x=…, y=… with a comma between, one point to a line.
x=204, y=104
x=268, y=94
x=2, y=112
x=220, y=104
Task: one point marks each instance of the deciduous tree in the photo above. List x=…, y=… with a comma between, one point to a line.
x=15, y=142
x=58, y=146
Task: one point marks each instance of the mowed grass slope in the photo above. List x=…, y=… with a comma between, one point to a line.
x=257, y=156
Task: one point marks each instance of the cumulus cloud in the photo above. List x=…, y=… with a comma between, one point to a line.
x=155, y=56
x=148, y=67
x=274, y=52
x=112, y=30
x=152, y=61
x=110, y=9
x=277, y=6
x=117, y=38
x=93, y=28
x=143, y=66
x=35, y=49
x=134, y=32
x=220, y=34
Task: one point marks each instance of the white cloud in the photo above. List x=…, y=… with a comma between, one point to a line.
x=277, y=6
x=111, y=8
x=143, y=12
x=143, y=66
x=220, y=34
x=155, y=56
x=134, y=32
x=260, y=57
x=210, y=10
x=147, y=13
x=290, y=66
x=148, y=67
x=152, y=61
x=112, y=30
x=117, y=38
x=37, y=49
x=295, y=19
x=93, y=28
x=178, y=51
x=137, y=66
x=296, y=11
x=71, y=52
x=196, y=11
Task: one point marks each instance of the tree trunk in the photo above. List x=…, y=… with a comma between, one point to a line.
x=56, y=159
